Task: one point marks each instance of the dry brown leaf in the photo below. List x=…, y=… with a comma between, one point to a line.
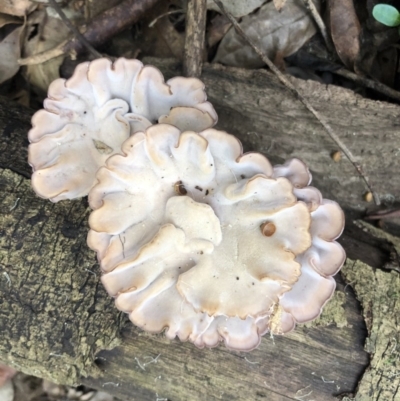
x=10, y=46
x=43, y=33
x=6, y=19
x=158, y=36
x=279, y=4
x=345, y=30
x=16, y=7
x=218, y=28
x=170, y=37
x=21, y=96
x=238, y=8
x=278, y=33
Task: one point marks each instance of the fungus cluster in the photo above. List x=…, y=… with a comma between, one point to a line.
x=193, y=236
x=86, y=119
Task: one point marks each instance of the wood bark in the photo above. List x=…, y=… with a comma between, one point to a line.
x=194, y=38
x=55, y=316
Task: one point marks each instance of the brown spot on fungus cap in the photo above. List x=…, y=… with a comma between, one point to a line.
x=268, y=229
x=196, y=264
x=87, y=118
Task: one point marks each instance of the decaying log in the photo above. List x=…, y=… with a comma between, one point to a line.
x=56, y=320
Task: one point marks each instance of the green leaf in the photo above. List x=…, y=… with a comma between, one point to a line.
x=386, y=14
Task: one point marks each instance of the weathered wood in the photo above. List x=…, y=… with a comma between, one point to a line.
x=379, y=293
x=194, y=37
x=255, y=107
x=54, y=313
x=55, y=316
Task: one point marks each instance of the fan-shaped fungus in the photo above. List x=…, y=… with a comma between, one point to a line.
x=88, y=117
x=210, y=244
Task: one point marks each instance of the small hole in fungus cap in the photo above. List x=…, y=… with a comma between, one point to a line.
x=268, y=229
x=180, y=188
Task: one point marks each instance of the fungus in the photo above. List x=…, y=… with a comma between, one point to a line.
x=210, y=244
x=87, y=118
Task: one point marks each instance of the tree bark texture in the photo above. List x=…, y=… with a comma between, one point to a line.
x=55, y=316
x=194, y=38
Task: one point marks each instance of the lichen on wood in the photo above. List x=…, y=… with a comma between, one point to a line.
x=64, y=308
x=333, y=312
x=379, y=294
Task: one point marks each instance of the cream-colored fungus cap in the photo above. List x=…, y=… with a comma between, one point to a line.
x=86, y=119
x=209, y=244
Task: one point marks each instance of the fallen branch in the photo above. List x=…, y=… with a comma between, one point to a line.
x=102, y=28
x=306, y=103
x=383, y=214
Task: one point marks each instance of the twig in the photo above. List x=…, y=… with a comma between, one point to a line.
x=110, y=384
x=383, y=214
x=321, y=25
x=194, y=38
x=74, y=29
x=299, y=397
x=15, y=204
x=250, y=362
x=91, y=272
x=139, y=364
x=100, y=29
x=152, y=23
x=152, y=360
x=6, y=275
x=327, y=381
x=306, y=103
x=368, y=83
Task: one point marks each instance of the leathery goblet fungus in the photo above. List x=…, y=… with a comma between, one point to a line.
x=209, y=244
x=88, y=117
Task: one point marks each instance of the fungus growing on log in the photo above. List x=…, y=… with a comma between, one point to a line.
x=210, y=244
x=87, y=118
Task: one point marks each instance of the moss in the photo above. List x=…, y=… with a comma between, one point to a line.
x=379, y=294
x=333, y=312
x=64, y=316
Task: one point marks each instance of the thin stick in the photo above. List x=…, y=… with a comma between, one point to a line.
x=321, y=25
x=194, y=38
x=100, y=29
x=383, y=214
x=152, y=23
x=368, y=83
x=306, y=103
x=73, y=28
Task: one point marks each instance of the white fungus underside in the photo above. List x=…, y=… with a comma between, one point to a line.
x=88, y=117
x=197, y=264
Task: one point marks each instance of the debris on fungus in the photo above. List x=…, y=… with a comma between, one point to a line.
x=210, y=244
